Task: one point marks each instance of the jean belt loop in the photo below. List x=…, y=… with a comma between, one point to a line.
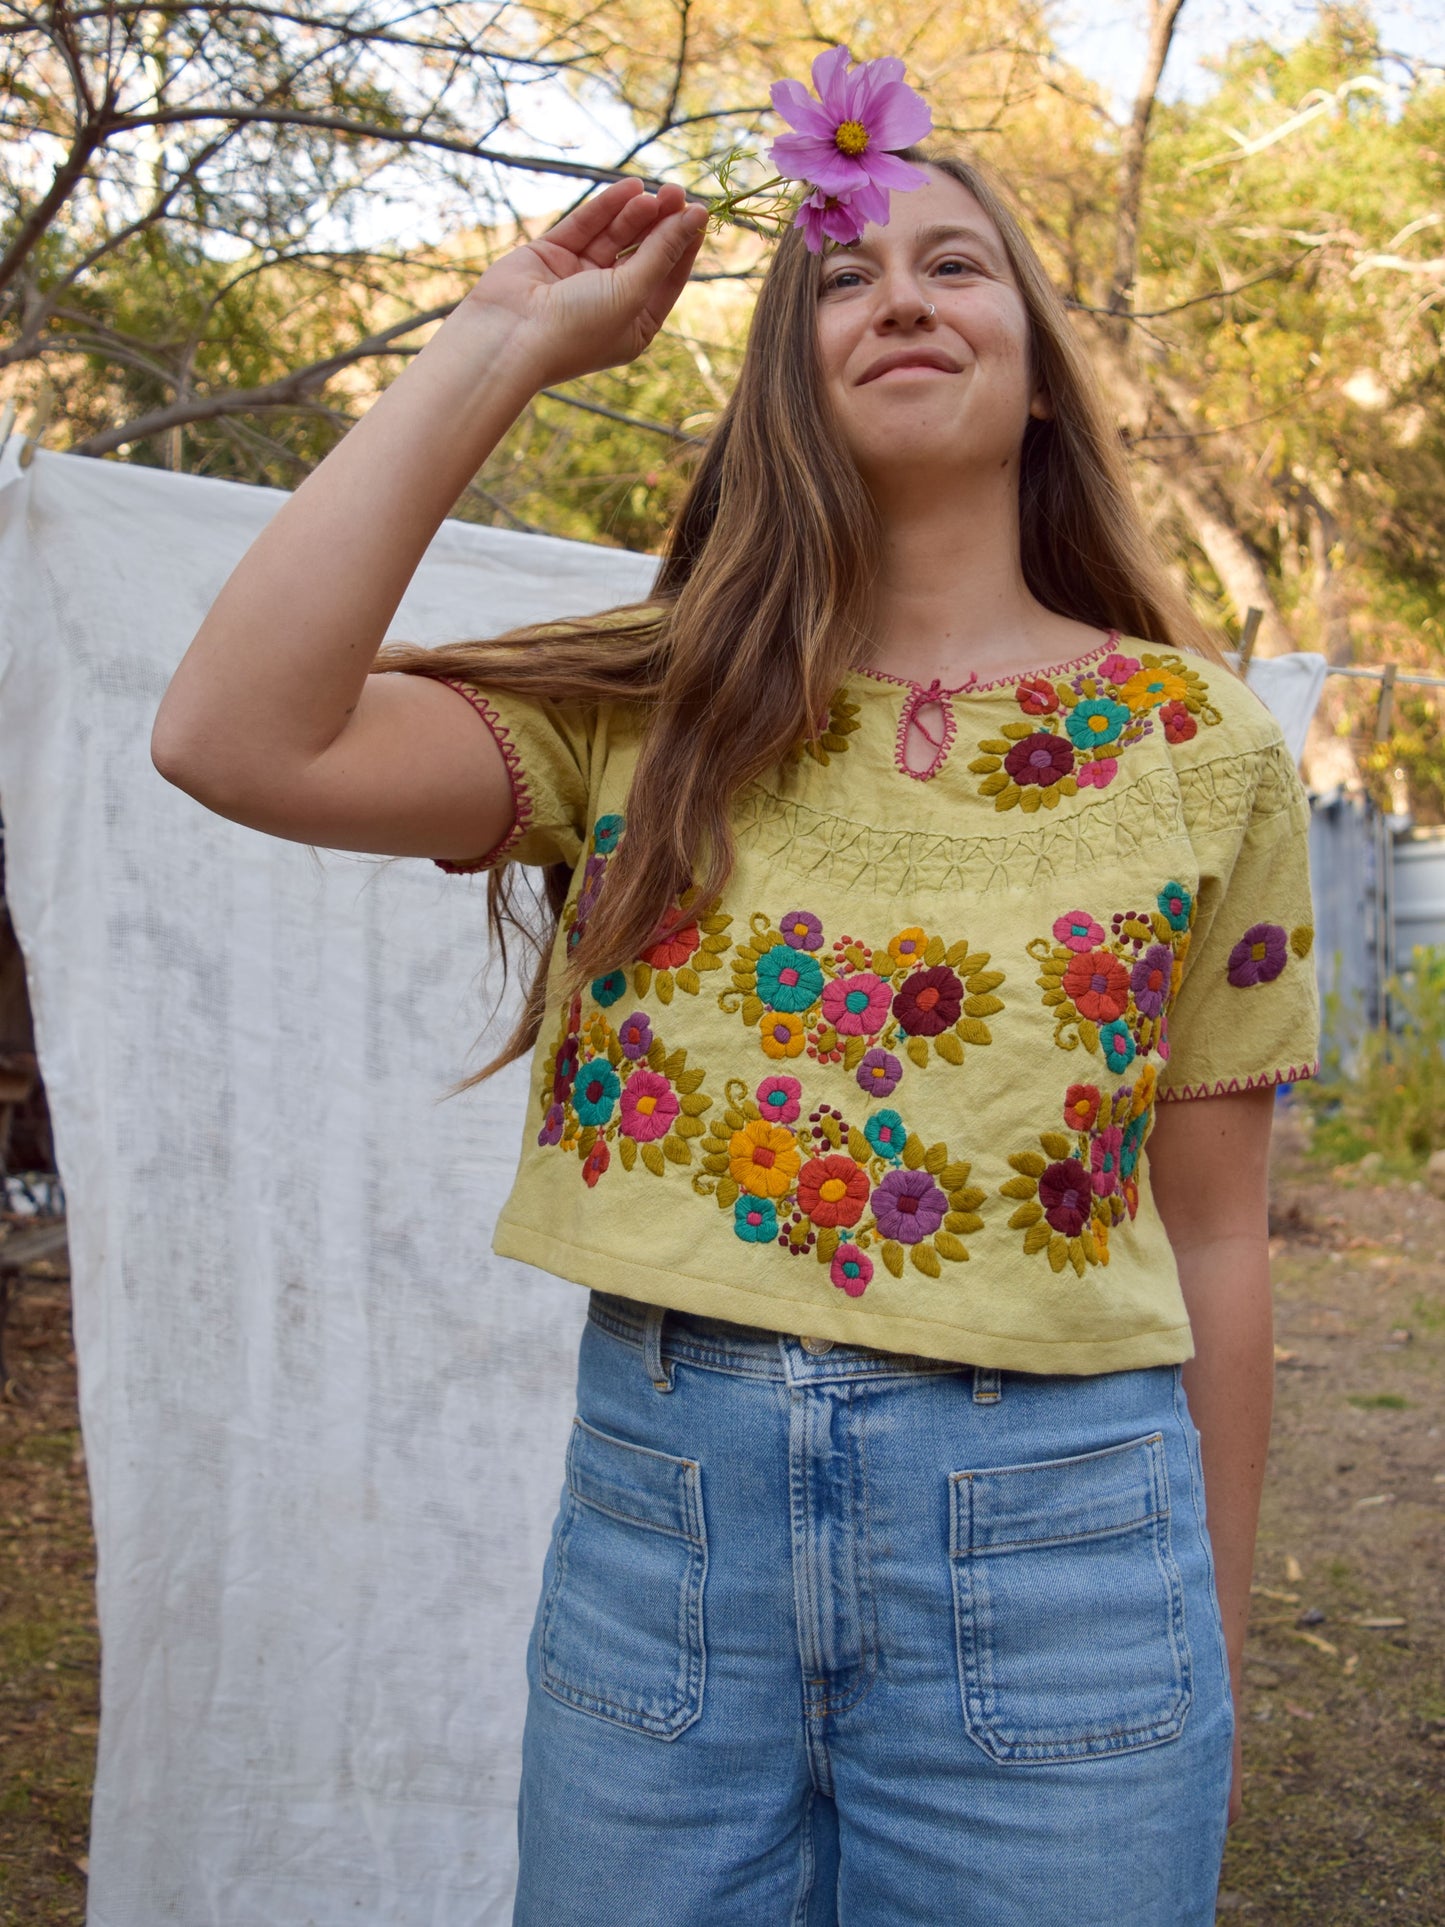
x=652, y=1361
x=987, y=1389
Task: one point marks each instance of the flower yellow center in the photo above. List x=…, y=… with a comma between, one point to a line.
x=1258, y=952
x=832, y=1189
x=851, y=137
x=647, y=1105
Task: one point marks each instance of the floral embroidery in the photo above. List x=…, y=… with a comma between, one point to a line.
x=684, y=947
x=857, y=1005
x=1264, y=950
x=832, y=739
x=1111, y=991
x=804, y=1188
x=1079, y=726
x=1073, y=1191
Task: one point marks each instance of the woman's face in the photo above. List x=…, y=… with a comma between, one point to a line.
x=927, y=394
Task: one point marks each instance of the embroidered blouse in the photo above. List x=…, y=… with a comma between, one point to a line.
x=895, y=1088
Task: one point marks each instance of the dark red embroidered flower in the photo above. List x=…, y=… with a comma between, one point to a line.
x=1179, y=725
x=1037, y=696
x=1259, y=956
x=929, y=1001
x=1098, y=984
x=833, y=1190
x=1042, y=759
x=1066, y=1194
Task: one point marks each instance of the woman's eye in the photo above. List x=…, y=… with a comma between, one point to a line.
x=837, y=280
x=956, y=266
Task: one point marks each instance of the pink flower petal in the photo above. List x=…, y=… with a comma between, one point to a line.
x=830, y=71
x=895, y=115
x=886, y=170
x=870, y=203
x=798, y=108
x=799, y=157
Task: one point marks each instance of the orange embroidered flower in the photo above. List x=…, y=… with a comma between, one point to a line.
x=1143, y=1092
x=764, y=1158
x=908, y=946
x=1148, y=688
x=783, y=1034
x=833, y=1190
x=1098, y=984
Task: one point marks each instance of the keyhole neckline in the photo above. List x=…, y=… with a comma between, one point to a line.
x=936, y=690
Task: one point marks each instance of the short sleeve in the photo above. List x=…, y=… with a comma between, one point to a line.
x=1248, y=1009
x=547, y=747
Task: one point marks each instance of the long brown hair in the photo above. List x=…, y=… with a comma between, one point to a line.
x=763, y=604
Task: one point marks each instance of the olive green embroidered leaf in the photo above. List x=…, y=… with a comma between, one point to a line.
x=1006, y=798
x=1030, y=1163
x=926, y=1259
x=689, y=1127
x=933, y=952
x=1058, y=1251
x=996, y=785
x=1076, y=1255
x=1026, y=1215
x=664, y=985
x=993, y=747
x=973, y=1030
x=934, y=1159
x=853, y=1052
x=1089, y=1032
x=859, y=1149
x=1050, y=798
x=1016, y=732
x=982, y=1006
x=653, y=1159
x=1056, y=1144
x=1019, y=1188
x=656, y=1051
x=956, y=955
x=1301, y=939
x=753, y=1008
x=964, y=1221
x=728, y=1192
x=828, y=1241
x=832, y=1130
x=913, y=1150
x=717, y=1161
x=980, y=982
x=688, y=1081
x=704, y=960
x=692, y=1105
x=677, y=1148
x=1053, y=997
x=674, y=1063
x=586, y=1138
x=627, y=1151
x=1035, y=1239
x=1031, y=800
x=985, y=765
x=948, y=1047
x=641, y=978
x=954, y=1176
x=918, y=1050
x=891, y=1253
x=714, y=926
x=688, y=980
x=614, y=1051
x=951, y=1247
x=1090, y=1244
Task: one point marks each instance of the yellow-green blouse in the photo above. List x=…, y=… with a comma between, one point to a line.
x=896, y=1089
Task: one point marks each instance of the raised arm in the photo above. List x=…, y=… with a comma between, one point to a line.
x=272, y=717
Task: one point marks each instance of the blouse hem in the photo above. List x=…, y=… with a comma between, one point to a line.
x=1228, y=1086
x=916, y=1337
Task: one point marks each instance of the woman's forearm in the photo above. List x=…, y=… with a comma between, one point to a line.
x=1230, y=1386
x=280, y=660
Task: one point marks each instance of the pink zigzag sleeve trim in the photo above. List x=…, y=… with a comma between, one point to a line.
x=521, y=794
x=1296, y=1074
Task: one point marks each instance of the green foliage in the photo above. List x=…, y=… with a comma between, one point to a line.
x=1383, y=1090
x=1378, y=1402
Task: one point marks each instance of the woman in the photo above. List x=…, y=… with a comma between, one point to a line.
x=906, y=876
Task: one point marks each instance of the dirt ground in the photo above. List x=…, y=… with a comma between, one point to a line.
x=1344, y=1705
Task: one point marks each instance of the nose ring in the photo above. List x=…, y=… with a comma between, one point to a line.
x=931, y=311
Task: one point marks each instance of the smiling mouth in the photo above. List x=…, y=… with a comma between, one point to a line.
x=907, y=368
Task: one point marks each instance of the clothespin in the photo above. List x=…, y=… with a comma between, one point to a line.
x=1385, y=713
x=1252, y=619
x=7, y=421
x=39, y=422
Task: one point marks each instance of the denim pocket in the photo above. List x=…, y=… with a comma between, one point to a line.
x=1068, y=1606
x=620, y=1629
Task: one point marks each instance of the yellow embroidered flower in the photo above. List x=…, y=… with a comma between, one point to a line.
x=764, y=1158
x=1149, y=688
x=908, y=946
x=783, y=1034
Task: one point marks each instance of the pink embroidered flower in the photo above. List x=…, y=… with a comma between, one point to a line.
x=649, y=1105
x=1076, y=930
x=879, y=1072
x=929, y=1001
x=1179, y=725
x=635, y=1035
x=851, y=1270
x=1043, y=759
x=779, y=1099
x=1098, y=984
x=857, y=1005
x=1098, y=774
x=1104, y=1160
x=1118, y=669
x=833, y=1190
x=1259, y=956
x=841, y=146
x=802, y=930
x=1037, y=696
x=1081, y=1106
x=596, y=1161
x=1066, y=1194
x=908, y=1206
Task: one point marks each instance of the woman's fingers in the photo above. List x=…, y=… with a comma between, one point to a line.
x=656, y=274
x=578, y=230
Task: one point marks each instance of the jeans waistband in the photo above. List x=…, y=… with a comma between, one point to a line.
x=753, y=1351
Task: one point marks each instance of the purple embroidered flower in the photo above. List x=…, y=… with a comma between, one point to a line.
x=908, y=1206
x=1104, y=1158
x=552, y=1124
x=1076, y=930
x=879, y=1072
x=1259, y=956
x=857, y=1006
x=779, y=1099
x=851, y=1270
x=635, y=1035
x=929, y=1001
x=1149, y=979
x=801, y=930
x=1042, y=759
x=1066, y=1194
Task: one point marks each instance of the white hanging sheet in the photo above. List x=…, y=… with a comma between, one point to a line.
x=324, y=1425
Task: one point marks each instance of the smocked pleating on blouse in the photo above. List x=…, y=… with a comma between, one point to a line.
x=895, y=1088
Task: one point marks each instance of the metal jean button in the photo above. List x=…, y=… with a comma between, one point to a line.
x=817, y=1346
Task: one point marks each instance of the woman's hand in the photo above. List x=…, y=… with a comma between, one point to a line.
x=582, y=306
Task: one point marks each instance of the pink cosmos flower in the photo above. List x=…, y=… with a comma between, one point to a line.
x=842, y=141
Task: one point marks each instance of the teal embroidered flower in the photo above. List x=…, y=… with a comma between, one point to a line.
x=1176, y=906
x=596, y=1091
x=789, y=979
x=605, y=832
x=1117, y=1043
x=606, y=990
x=885, y=1132
x=755, y=1220
x=1134, y=1132
x=1096, y=721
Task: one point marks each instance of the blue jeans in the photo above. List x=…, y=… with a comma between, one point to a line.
x=830, y=1637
